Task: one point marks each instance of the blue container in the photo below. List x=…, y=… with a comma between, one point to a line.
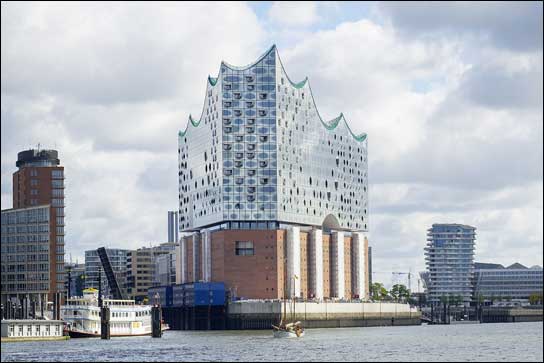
x=178, y=292
x=161, y=291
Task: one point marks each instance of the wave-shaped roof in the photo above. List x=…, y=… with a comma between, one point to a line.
x=329, y=125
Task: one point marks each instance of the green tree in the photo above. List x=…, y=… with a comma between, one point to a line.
x=535, y=298
x=378, y=291
x=399, y=292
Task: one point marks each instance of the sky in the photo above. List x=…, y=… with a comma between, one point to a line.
x=450, y=95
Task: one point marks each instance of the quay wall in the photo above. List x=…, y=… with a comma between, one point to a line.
x=242, y=315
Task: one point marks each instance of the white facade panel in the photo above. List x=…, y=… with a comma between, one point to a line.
x=196, y=256
x=293, y=261
x=359, y=268
x=337, y=264
x=206, y=256
x=316, y=263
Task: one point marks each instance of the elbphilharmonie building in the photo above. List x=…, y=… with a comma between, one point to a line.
x=265, y=183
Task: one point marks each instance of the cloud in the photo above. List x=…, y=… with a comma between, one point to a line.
x=449, y=95
x=110, y=86
x=294, y=13
x=515, y=25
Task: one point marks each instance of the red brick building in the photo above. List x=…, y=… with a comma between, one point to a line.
x=254, y=263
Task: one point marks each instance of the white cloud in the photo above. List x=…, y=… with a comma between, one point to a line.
x=294, y=13
x=109, y=86
x=454, y=122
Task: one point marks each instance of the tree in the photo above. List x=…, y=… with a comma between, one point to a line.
x=456, y=300
x=399, y=292
x=378, y=291
x=535, y=298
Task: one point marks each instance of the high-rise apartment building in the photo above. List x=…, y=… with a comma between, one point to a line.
x=39, y=181
x=173, y=226
x=272, y=186
x=449, y=257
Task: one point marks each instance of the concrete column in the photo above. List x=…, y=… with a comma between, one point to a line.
x=182, y=262
x=196, y=257
x=358, y=275
x=338, y=282
x=206, y=255
x=316, y=262
x=293, y=261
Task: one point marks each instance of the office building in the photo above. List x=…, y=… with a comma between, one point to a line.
x=272, y=186
x=506, y=283
x=38, y=182
x=173, y=226
x=75, y=278
x=26, y=243
x=140, y=269
x=449, y=256
x=164, y=273
x=118, y=260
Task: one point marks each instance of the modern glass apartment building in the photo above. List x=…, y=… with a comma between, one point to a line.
x=260, y=152
x=513, y=282
x=266, y=184
x=449, y=256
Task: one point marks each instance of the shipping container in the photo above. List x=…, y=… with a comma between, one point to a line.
x=164, y=293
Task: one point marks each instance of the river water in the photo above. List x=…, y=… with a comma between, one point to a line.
x=475, y=342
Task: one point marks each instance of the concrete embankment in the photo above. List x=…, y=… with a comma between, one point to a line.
x=510, y=315
x=262, y=314
x=32, y=339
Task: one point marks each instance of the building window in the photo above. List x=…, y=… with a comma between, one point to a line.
x=244, y=248
x=56, y=174
x=33, y=182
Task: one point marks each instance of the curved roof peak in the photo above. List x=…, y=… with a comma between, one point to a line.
x=331, y=124
x=241, y=68
x=193, y=122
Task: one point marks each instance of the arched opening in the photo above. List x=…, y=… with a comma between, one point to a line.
x=330, y=222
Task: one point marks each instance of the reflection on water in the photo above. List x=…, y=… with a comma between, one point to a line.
x=477, y=342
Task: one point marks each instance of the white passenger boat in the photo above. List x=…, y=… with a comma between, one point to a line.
x=82, y=316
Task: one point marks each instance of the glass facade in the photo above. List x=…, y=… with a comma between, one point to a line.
x=507, y=283
x=25, y=251
x=261, y=152
x=118, y=260
x=449, y=256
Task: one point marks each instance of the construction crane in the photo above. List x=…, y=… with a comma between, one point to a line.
x=395, y=274
x=409, y=278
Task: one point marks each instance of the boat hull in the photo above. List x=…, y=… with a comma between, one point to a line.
x=287, y=334
x=82, y=334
